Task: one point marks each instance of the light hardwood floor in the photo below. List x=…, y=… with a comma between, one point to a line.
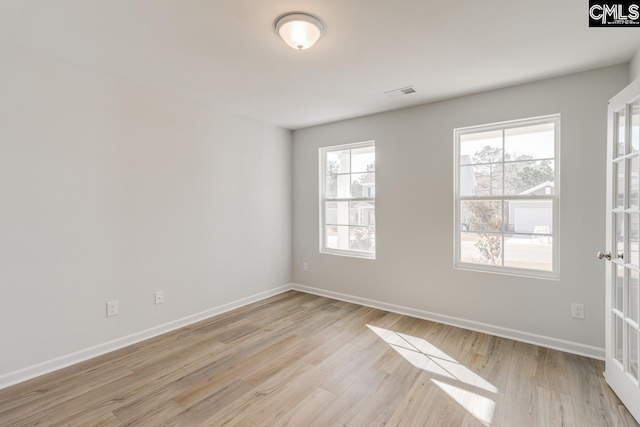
x=303, y=360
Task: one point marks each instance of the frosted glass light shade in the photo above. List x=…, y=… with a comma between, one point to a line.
x=299, y=30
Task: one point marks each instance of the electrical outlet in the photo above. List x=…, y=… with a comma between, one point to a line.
x=577, y=311
x=112, y=308
x=305, y=266
x=159, y=297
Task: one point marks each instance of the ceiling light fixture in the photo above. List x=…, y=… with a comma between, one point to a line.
x=299, y=30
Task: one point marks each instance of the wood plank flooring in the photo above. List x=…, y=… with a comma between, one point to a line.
x=303, y=360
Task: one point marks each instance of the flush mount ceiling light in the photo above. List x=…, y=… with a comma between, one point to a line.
x=299, y=30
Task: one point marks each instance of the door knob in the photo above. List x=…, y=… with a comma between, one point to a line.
x=606, y=255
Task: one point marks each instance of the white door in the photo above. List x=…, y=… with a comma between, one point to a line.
x=623, y=234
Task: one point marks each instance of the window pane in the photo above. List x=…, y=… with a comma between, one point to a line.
x=343, y=189
x=331, y=187
x=468, y=182
x=633, y=238
x=617, y=337
x=618, y=290
x=635, y=126
x=481, y=248
x=481, y=147
x=363, y=185
x=633, y=182
x=534, y=252
x=633, y=297
x=363, y=159
x=337, y=213
x=619, y=221
x=620, y=118
x=338, y=162
x=529, y=216
x=481, y=180
x=619, y=171
x=362, y=213
x=529, y=142
x=529, y=178
x=337, y=237
x=338, y=186
x=363, y=238
x=484, y=215
x=633, y=352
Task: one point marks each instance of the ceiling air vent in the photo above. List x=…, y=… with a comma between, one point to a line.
x=401, y=92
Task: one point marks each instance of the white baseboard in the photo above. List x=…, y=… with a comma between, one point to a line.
x=527, y=337
x=46, y=367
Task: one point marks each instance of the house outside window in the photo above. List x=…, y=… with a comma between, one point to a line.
x=507, y=197
x=347, y=200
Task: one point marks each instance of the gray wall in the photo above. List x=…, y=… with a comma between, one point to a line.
x=414, y=174
x=113, y=191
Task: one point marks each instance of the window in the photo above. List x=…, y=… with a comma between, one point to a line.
x=347, y=200
x=506, y=197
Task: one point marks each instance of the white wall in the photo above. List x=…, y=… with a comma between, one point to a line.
x=634, y=66
x=414, y=177
x=112, y=191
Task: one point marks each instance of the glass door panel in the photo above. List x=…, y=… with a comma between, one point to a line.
x=633, y=181
x=619, y=181
x=632, y=220
x=633, y=352
x=619, y=235
x=620, y=132
x=623, y=236
x=618, y=289
x=635, y=126
x=618, y=337
x=632, y=297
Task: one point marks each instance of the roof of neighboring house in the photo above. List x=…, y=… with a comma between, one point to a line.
x=538, y=187
x=369, y=178
x=363, y=204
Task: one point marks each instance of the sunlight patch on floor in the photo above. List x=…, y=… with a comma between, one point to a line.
x=482, y=408
x=424, y=355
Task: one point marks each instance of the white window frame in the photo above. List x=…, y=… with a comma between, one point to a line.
x=555, y=198
x=322, y=153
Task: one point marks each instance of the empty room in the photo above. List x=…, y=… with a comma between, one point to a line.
x=319, y=213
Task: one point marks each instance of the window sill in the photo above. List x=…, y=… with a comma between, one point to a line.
x=351, y=254
x=506, y=271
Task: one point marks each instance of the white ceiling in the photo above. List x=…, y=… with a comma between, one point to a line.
x=226, y=54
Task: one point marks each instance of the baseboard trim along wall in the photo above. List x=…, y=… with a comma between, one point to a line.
x=29, y=372
x=499, y=331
